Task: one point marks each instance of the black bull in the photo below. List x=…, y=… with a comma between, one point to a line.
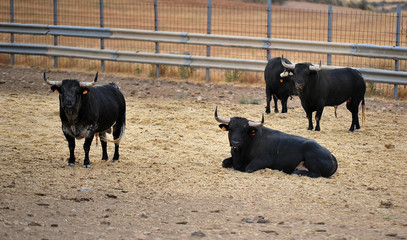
x=318, y=88
x=277, y=86
x=86, y=110
x=255, y=147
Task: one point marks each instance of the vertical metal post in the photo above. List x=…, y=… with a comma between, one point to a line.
x=397, y=63
x=157, y=46
x=329, y=57
x=209, y=29
x=102, y=40
x=12, y=34
x=268, y=25
x=55, y=37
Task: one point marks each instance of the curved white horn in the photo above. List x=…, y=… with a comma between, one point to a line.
x=254, y=124
x=315, y=68
x=89, y=84
x=56, y=83
x=287, y=65
x=221, y=120
x=284, y=74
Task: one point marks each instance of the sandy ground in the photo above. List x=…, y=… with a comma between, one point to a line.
x=169, y=183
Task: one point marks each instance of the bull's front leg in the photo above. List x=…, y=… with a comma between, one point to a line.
x=86, y=147
x=284, y=104
x=71, y=145
x=268, y=100
x=227, y=163
x=275, y=99
x=318, y=118
x=309, y=117
x=256, y=164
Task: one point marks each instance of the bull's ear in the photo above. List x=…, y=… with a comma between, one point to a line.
x=85, y=91
x=224, y=127
x=253, y=131
x=55, y=89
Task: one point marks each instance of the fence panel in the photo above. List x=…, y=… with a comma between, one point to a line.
x=240, y=19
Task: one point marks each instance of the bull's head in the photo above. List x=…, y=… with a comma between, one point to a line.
x=302, y=72
x=70, y=93
x=241, y=130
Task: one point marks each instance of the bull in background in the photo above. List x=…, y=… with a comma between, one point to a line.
x=318, y=88
x=278, y=87
x=86, y=110
x=255, y=147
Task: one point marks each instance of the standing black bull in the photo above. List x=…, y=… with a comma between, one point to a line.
x=318, y=88
x=279, y=86
x=255, y=147
x=86, y=110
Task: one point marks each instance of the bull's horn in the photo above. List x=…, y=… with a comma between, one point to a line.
x=89, y=84
x=284, y=74
x=287, y=65
x=254, y=124
x=315, y=68
x=221, y=120
x=52, y=83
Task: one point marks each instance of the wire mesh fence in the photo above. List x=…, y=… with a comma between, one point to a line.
x=348, y=26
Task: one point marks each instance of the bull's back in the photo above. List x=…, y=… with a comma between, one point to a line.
x=286, y=151
x=109, y=104
x=339, y=85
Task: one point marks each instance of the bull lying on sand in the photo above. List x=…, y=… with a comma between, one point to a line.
x=86, y=110
x=255, y=147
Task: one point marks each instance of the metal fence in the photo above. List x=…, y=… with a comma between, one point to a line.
x=331, y=24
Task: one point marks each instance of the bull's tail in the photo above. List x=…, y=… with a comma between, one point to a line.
x=336, y=107
x=117, y=140
x=363, y=112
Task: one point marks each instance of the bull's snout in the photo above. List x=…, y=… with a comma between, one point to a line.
x=234, y=144
x=69, y=110
x=299, y=86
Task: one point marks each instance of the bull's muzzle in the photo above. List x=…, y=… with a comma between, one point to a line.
x=69, y=111
x=234, y=144
x=299, y=87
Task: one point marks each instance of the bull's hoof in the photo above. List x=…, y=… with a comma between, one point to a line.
x=105, y=159
x=71, y=164
x=86, y=165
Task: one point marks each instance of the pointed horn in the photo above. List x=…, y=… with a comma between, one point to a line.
x=89, y=84
x=287, y=65
x=254, y=124
x=284, y=74
x=56, y=83
x=221, y=120
x=316, y=68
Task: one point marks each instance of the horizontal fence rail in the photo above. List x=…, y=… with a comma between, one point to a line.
x=371, y=75
x=334, y=48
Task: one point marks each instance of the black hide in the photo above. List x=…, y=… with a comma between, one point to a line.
x=318, y=89
x=254, y=148
x=276, y=86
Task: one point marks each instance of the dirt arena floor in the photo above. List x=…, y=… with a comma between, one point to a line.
x=169, y=183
